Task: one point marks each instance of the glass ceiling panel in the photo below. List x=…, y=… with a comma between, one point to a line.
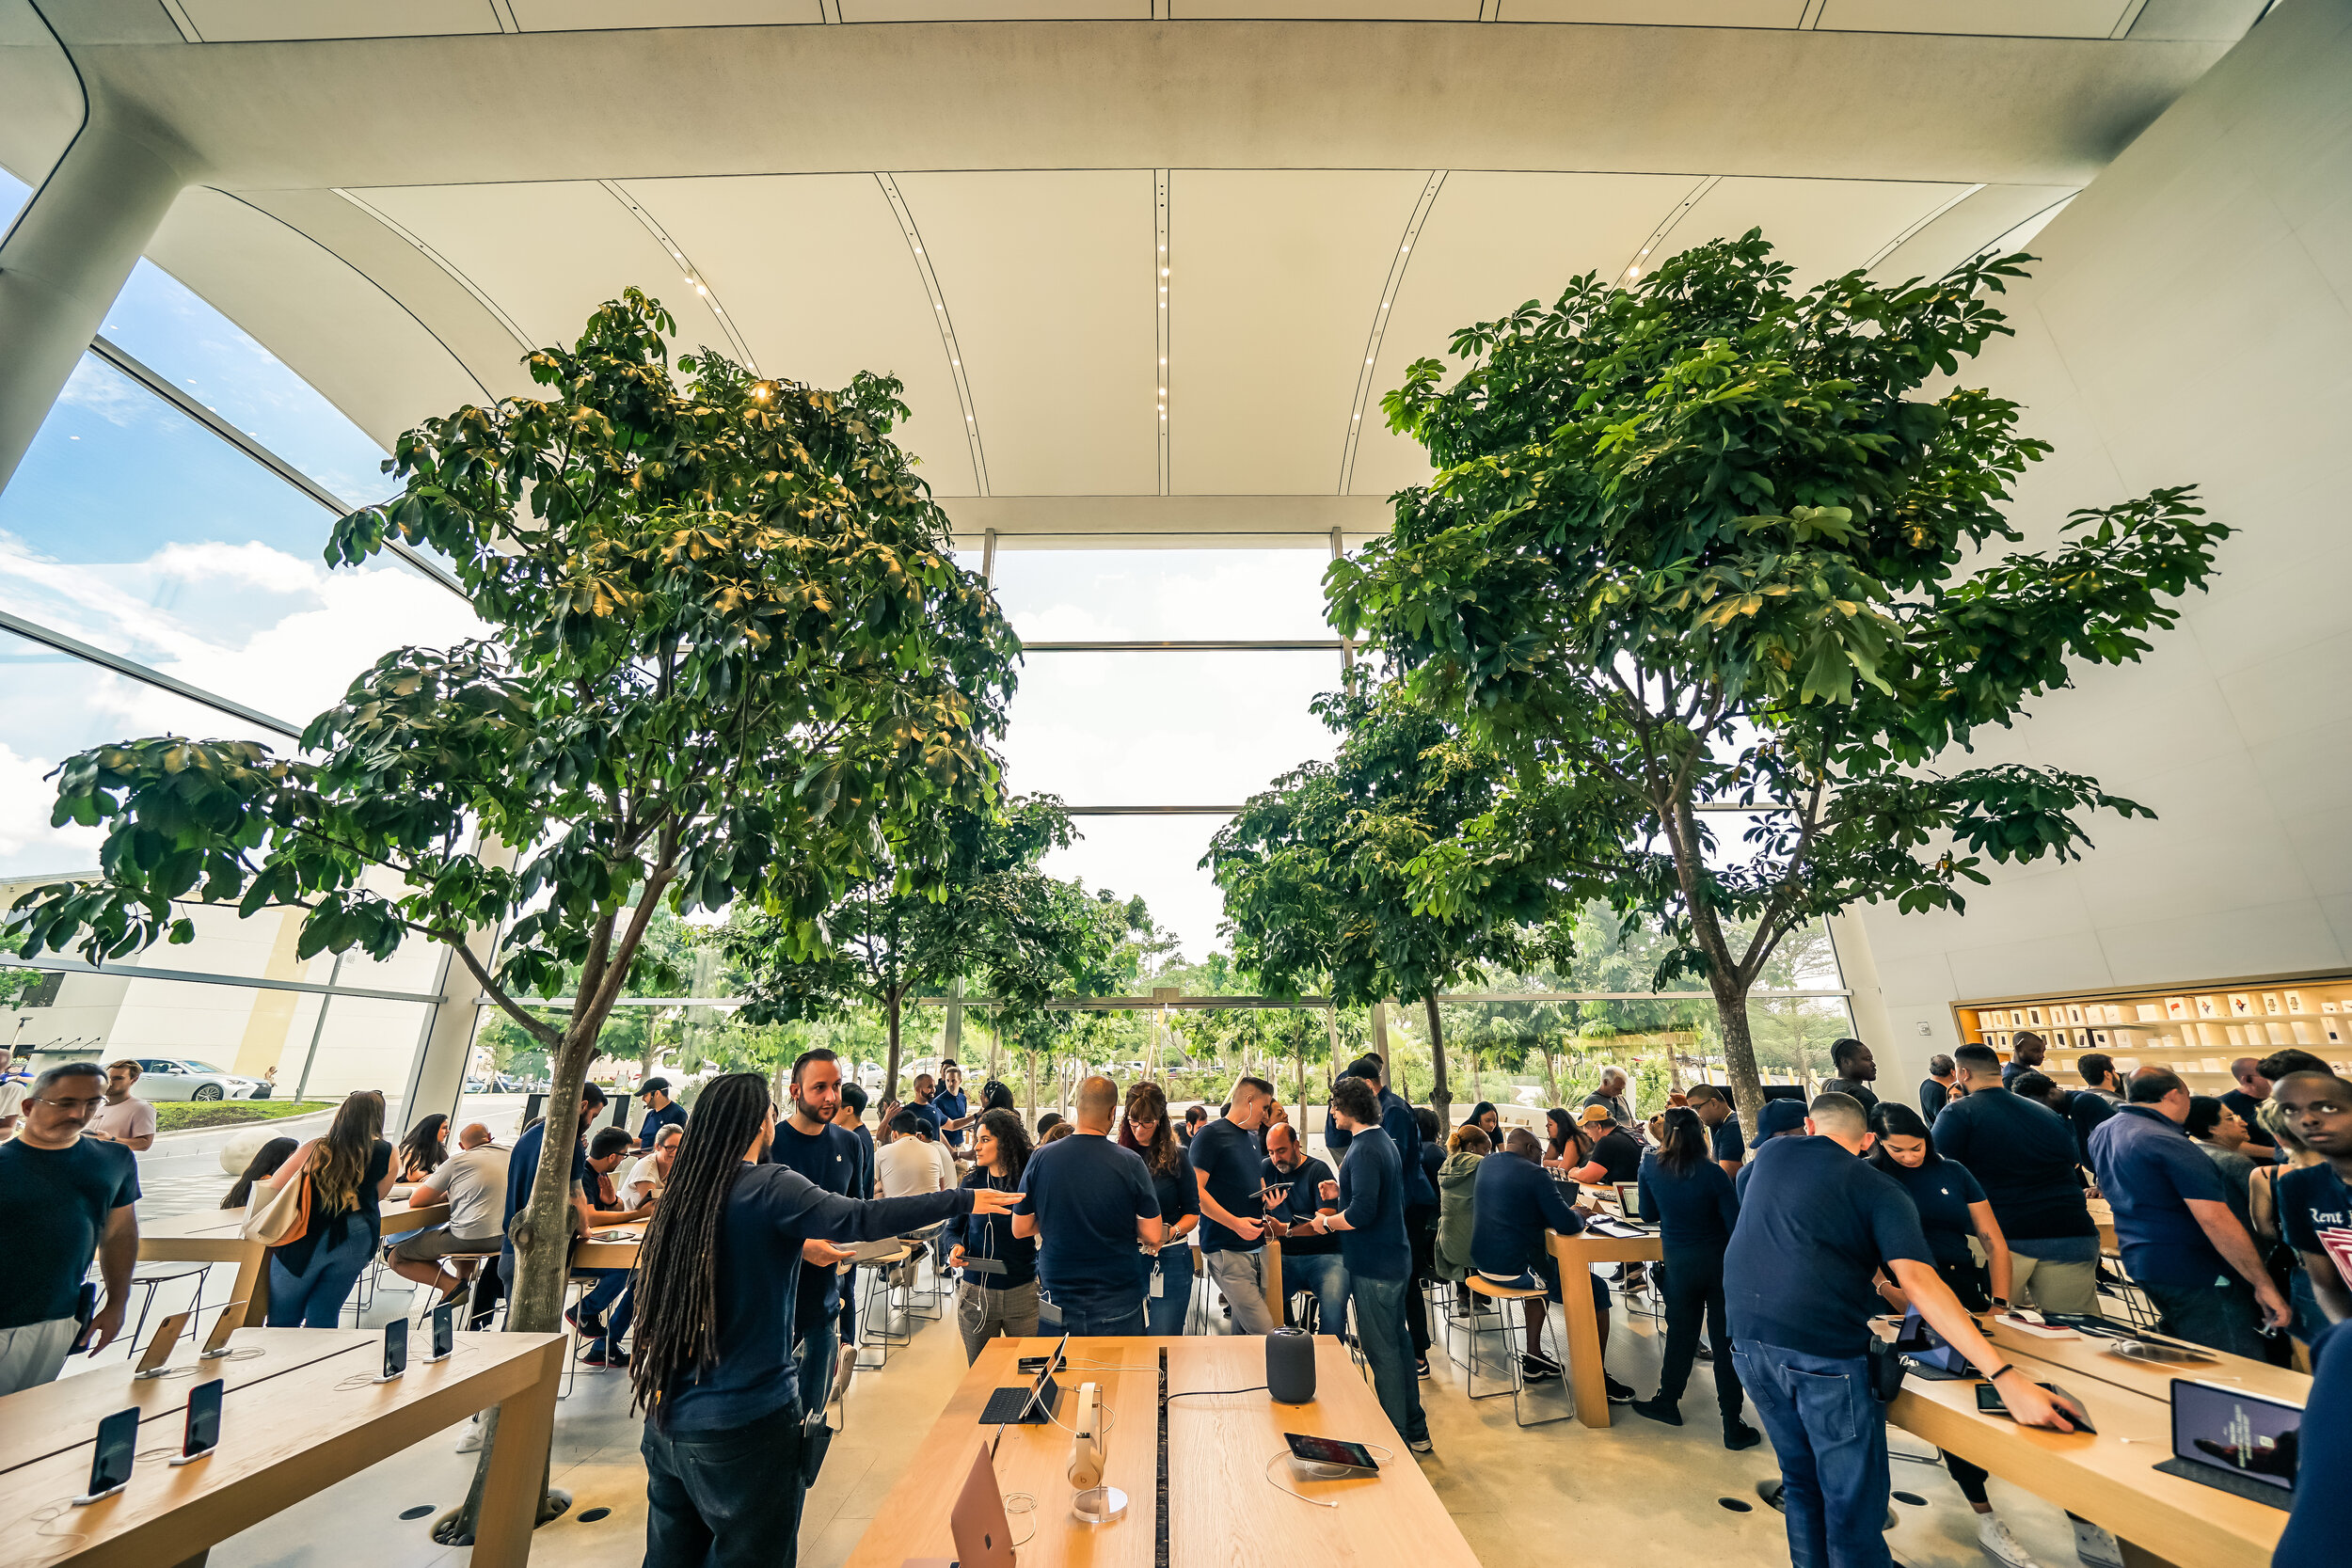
x=1183, y=594
x=1165, y=729
x=132, y=527
x=206, y=355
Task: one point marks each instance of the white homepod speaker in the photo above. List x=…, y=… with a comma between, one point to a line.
x=1095, y=1504
x=1290, y=1366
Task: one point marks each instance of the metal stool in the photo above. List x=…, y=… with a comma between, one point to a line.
x=1508, y=1296
x=873, y=1313
x=152, y=1277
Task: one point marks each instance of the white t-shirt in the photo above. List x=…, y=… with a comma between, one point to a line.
x=11, y=1099
x=906, y=1167
x=133, y=1118
x=644, y=1173
x=475, y=1181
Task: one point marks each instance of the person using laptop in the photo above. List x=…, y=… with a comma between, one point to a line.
x=1515, y=1203
x=717, y=1282
x=473, y=1183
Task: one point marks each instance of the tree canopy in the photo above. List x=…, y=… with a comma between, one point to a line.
x=1318, y=876
x=1709, y=539
x=724, y=646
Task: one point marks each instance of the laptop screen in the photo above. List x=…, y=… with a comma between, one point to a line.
x=2231, y=1430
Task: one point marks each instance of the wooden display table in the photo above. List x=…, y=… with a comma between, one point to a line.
x=217, y=1236
x=1576, y=1255
x=283, y=1438
x=1221, y=1508
x=2108, y=1476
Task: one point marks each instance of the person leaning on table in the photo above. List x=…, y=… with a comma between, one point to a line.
x=1817, y=1224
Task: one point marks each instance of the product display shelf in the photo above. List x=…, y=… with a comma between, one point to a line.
x=2195, y=1029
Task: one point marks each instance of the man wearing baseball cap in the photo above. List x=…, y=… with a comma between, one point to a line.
x=1616, y=1156
x=661, y=1111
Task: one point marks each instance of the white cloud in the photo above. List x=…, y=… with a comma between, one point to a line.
x=27, y=843
x=107, y=393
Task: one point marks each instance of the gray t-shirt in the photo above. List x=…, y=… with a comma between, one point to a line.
x=475, y=1182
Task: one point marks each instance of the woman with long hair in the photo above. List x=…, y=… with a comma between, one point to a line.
x=990, y=1302
x=1567, y=1145
x=1143, y=1127
x=424, y=1151
x=714, y=1369
x=1687, y=1195
x=263, y=1165
x=1489, y=1120
x=349, y=1170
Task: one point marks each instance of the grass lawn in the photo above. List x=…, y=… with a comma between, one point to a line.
x=179, y=1114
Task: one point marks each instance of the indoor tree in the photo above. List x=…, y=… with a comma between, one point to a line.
x=1317, y=871
x=1708, y=538
x=892, y=922
x=723, y=643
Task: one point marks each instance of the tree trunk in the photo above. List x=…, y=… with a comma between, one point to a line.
x=1551, y=1077
x=890, y=1016
x=1440, y=1098
x=1747, y=1088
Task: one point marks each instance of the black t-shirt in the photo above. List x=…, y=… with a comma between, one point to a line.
x=1227, y=1164
x=1934, y=1097
x=830, y=1157
x=2246, y=1105
x=59, y=1203
x=1696, y=1209
x=2085, y=1109
x=1726, y=1142
x=2315, y=1213
x=1178, y=1188
x=771, y=1211
x=1855, y=1088
x=1816, y=1224
x=331, y=1227
x=1087, y=1194
x=2022, y=1154
x=1620, y=1155
x=991, y=1236
x=1942, y=1193
x=1299, y=1204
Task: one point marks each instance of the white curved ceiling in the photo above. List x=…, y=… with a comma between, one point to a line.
x=964, y=207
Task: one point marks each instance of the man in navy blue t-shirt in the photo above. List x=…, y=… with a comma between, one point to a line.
x=1379, y=1257
x=1232, y=1213
x=1091, y=1204
x=1816, y=1226
x=1726, y=1144
x=829, y=1156
x=2182, y=1243
x=661, y=1111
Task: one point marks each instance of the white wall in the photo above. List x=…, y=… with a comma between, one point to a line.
x=2190, y=323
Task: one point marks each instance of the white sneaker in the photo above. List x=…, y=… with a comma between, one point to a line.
x=2001, y=1546
x=470, y=1441
x=2095, y=1546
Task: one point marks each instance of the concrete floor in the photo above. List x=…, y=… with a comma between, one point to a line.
x=1635, y=1487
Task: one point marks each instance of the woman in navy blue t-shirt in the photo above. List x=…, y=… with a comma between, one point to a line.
x=1687, y=1195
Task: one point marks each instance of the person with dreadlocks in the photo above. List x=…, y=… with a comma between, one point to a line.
x=717, y=1281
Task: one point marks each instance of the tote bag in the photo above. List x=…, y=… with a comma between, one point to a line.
x=286, y=1217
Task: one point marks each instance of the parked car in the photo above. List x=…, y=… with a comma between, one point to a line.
x=183, y=1078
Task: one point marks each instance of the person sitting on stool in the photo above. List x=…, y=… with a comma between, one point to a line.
x=1515, y=1202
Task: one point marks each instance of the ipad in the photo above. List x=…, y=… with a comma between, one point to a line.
x=2241, y=1435
x=1331, y=1452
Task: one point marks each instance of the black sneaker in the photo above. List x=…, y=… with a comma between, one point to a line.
x=1737, y=1435
x=1706, y=1352
x=590, y=1326
x=1421, y=1366
x=1770, y=1491
x=1618, y=1392
x=1535, y=1368
x=1667, y=1411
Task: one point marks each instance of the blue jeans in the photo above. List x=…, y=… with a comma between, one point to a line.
x=314, y=1297
x=1387, y=1346
x=724, y=1499
x=1099, y=1318
x=612, y=1286
x=1830, y=1432
x=816, y=1353
x=1164, y=1314
x=1326, y=1274
x=2221, y=1317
